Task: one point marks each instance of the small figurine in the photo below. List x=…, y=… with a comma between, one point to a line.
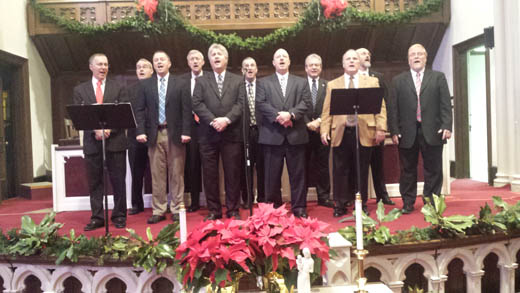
x=305, y=267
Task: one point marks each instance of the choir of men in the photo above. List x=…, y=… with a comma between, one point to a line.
x=281, y=117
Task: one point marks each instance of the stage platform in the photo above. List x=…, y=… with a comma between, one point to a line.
x=466, y=198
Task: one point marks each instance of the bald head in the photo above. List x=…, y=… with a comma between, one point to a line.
x=281, y=61
x=417, y=57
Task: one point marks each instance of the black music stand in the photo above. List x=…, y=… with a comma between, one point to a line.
x=354, y=102
x=102, y=116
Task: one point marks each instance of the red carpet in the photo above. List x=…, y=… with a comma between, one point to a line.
x=466, y=198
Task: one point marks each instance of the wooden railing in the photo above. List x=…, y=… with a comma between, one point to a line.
x=214, y=14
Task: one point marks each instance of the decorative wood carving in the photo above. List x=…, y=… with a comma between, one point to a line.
x=281, y=10
x=262, y=10
x=87, y=14
x=392, y=6
x=121, y=12
x=202, y=12
x=242, y=11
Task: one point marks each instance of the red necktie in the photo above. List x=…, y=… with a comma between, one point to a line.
x=99, y=92
x=418, y=89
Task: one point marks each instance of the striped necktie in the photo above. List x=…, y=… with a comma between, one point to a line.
x=162, y=101
x=314, y=93
x=418, y=89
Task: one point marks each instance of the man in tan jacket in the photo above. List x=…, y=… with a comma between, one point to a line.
x=340, y=132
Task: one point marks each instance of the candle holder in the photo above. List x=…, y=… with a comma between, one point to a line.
x=361, y=280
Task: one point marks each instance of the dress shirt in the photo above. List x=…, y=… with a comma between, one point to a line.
x=94, y=84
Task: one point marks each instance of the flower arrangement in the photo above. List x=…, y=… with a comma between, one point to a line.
x=268, y=241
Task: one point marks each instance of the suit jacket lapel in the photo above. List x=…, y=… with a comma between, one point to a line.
x=321, y=90
x=213, y=82
x=410, y=82
x=289, y=88
x=277, y=88
x=426, y=80
x=91, y=94
x=169, y=89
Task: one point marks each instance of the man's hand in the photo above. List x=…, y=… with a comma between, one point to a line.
x=446, y=134
x=325, y=139
x=99, y=133
x=219, y=123
x=185, y=138
x=380, y=136
x=141, y=138
x=314, y=125
x=395, y=138
x=283, y=118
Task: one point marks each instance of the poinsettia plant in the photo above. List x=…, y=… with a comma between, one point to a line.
x=216, y=253
x=280, y=238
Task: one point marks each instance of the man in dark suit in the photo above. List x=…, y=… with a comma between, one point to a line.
x=251, y=121
x=317, y=154
x=340, y=130
x=192, y=170
x=376, y=161
x=164, y=123
x=421, y=121
x=137, y=151
x=283, y=100
x=100, y=90
x=218, y=99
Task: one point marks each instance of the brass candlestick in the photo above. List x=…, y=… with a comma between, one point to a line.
x=361, y=281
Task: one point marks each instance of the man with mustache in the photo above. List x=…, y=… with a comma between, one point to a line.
x=376, y=162
x=218, y=99
x=137, y=151
x=99, y=90
x=252, y=120
x=340, y=132
x=164, y=123
x=421, y=121
x=282, y=100
x=192, y=170
x=317, y=154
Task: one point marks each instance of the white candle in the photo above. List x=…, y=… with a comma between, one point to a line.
x=359, y=224
x=182, y=222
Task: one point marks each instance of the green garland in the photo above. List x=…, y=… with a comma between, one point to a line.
x=169, y=20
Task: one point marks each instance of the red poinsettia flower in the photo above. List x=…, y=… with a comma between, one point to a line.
x=150, y=7
x=335, y=7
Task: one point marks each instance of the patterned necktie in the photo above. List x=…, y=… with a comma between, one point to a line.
x=283, y=84
x=220, y=84
x=251, y=98
x=418, y=89
x=314, y=93
x=99, y=92
x=351, y=119
x=162, y=101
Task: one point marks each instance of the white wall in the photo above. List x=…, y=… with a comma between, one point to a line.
x=468, y=19
x=14, y=38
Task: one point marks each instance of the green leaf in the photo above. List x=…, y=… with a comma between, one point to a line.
x=393, y=215
x=440, y=204
x=382, y=235
x=430, y=214
x=500, y=203
x=149, y=234
x=221, y=275
x=380, y=212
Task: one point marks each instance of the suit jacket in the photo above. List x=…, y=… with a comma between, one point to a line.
x=368, y=123
x=382, y=83
x=209, y=105
x=114, y=93
x=435, y=107
x=270, y=101
x=320, y=98
x=178, y=109
x=133, y=91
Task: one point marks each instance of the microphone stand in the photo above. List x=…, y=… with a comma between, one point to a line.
x=247, y=156
x=105, y=175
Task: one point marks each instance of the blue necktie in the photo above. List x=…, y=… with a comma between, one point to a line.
x=162, y=101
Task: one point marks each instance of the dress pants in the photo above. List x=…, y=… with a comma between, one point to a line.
x=432, y=161
x=256, y=160
x=166, y=163
x=138, y=159
x=344, y=173
x=295, y=158
x=317, y=166
x=378, y=172
x=192, y=169
x=116, y=164
x=231, y=153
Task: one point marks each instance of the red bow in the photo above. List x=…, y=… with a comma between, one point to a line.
x=333, y=7
x=150, y=7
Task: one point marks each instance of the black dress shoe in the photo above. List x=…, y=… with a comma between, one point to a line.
x=155, y=219
x=234, y=215
x=326, y=203
x=338, y=212
x=192, y=209
x=300, y=214
x=135, y=211
x=387, y=201
x=407, y=209
x=93, y=225
x=175, y=217
x=212, y=216
x=119, y=223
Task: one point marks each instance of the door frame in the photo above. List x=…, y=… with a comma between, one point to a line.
x=19, y=95
x=461, y=111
